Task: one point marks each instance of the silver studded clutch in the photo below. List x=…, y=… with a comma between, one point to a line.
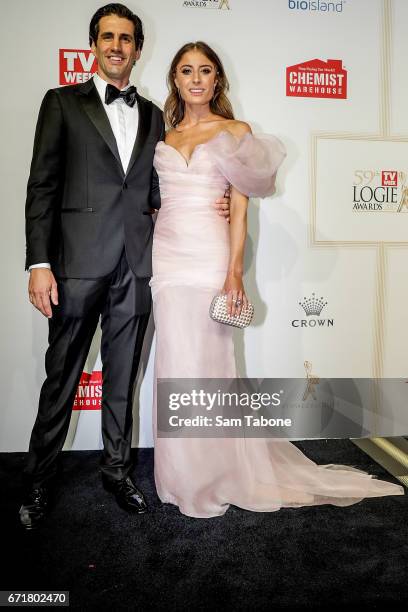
x=219, y=313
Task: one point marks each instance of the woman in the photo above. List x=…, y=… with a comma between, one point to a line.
x=195, y=255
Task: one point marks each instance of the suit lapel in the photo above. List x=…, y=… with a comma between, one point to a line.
x=145, y=115
x=93, y=107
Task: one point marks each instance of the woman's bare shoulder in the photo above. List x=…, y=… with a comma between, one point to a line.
x=238, y=128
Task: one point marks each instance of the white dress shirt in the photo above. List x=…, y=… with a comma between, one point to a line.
x=124, y=121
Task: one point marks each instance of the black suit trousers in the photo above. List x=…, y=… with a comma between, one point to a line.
x=123, y=302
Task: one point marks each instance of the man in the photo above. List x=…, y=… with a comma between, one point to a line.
x=90, y=195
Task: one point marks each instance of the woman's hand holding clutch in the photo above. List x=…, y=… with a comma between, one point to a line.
x=236, y=297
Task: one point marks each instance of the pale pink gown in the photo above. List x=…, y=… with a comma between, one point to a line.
x=190, y=257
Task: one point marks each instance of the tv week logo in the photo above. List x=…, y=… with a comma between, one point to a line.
x=389, y=178
x=317, y=79
x=76, y=66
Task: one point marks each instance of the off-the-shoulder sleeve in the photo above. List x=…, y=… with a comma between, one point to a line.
x=250, y=164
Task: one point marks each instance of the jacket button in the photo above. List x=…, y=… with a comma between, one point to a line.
x=124, y=186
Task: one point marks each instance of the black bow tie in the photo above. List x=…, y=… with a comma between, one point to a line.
x=113, y=93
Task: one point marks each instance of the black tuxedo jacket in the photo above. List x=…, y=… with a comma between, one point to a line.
x=82, y=209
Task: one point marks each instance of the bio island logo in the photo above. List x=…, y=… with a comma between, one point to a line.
x=316, y=5
x=380, y=191
x=313, y=307
x=207, y=4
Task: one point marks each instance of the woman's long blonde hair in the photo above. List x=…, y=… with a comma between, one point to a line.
x=219, y=104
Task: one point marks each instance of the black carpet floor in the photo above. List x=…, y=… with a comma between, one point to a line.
x=308, y=558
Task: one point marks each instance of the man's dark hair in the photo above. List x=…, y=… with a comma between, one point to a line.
x=121, y=11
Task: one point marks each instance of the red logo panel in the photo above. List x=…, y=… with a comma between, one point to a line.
x=317, y=79
x=76, y=66
x=89, y=392
x=389, y=178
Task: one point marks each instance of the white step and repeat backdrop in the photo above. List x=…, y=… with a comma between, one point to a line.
x=326, y=255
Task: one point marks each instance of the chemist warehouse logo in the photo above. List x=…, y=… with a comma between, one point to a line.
x=76, y=66
x=380, y=191
x=207, y=4
x=317, y=79
x=89, y=392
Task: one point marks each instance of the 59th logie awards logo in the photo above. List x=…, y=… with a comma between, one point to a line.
x=313, y=307
x=207, y=4
x=380, y=191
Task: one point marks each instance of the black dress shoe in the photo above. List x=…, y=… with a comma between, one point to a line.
x=34, y=508
x=128, y=496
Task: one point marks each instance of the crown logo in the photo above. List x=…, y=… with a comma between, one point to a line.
x=313, y=305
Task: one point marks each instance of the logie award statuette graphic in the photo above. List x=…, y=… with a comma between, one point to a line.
x=311, y=382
